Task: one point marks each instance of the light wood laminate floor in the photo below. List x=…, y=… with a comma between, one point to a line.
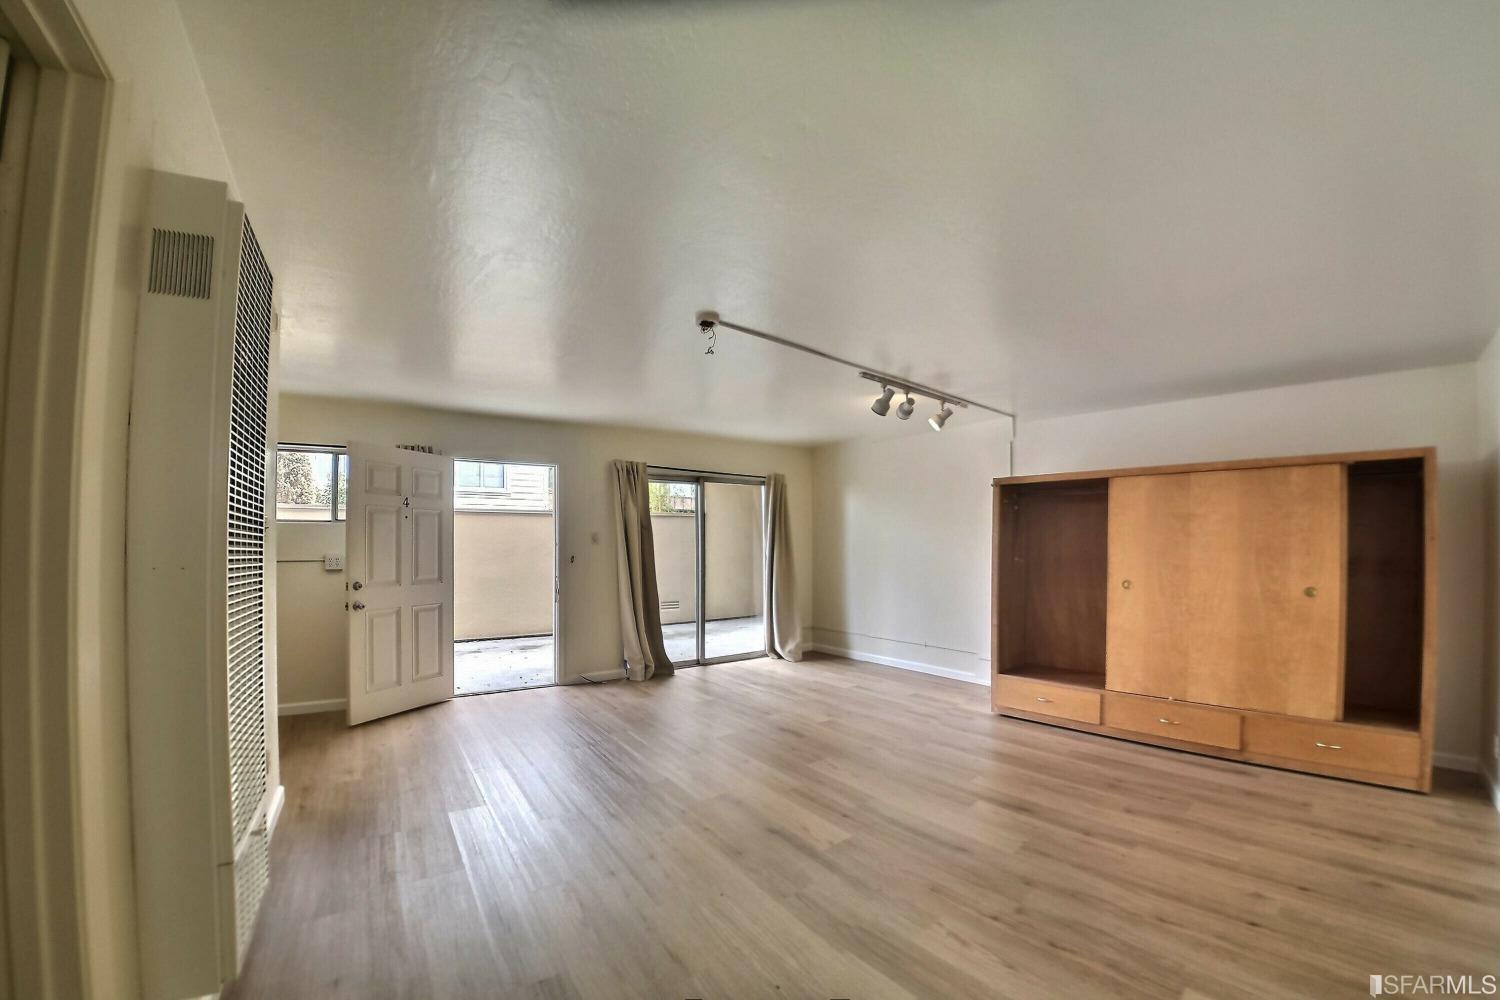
x=828, y=829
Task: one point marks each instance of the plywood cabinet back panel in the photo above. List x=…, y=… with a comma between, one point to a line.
x=1064, y=551
x=1386, y=576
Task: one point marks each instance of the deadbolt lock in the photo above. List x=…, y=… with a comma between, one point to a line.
x=357, y=585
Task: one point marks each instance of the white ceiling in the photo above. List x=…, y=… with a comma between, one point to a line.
x=517, y=207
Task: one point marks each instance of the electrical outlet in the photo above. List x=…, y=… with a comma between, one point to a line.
x=333, y=561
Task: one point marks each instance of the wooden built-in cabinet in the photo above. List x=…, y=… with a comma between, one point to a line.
x=1277, y=611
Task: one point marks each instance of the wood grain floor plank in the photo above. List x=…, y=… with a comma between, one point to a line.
x=825, y=829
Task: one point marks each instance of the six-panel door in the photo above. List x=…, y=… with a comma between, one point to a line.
x=400, y=566
x=1227, y=588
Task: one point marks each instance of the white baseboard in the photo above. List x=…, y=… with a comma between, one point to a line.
x=1492, y=782
x=1456, y=762
x=273, y=809
x=898, y=662
x=312, y=707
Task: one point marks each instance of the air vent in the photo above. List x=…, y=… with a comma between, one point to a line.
x=182, y=264
x=671, y=605
x=247, y=534
x=252, y=876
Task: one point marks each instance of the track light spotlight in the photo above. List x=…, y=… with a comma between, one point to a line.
x=904, y=410
x=938, y=419
x=882, y=406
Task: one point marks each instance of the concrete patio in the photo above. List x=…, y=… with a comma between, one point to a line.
x=485, y=666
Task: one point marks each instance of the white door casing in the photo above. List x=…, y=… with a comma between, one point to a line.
x=400, y=571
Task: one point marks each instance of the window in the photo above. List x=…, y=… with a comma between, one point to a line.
x=497, y=487
x=673, y=498
x=312, y=482
x=479, y=475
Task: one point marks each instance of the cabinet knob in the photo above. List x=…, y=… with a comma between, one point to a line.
x=1310, y=591
x=1125, y=584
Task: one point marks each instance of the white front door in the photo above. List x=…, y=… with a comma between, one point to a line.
x=400, y=572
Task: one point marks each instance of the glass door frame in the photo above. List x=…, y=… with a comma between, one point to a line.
x=664, y=474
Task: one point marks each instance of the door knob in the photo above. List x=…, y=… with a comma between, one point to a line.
x=359, y=605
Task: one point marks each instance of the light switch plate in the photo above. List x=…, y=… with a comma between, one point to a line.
x=333, y=560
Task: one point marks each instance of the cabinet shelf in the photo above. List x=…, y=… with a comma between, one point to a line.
x=1093, y=680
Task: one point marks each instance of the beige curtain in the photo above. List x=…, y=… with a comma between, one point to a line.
x=783, y=624
x=640, y=604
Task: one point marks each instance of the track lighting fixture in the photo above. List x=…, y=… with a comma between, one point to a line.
x=709, y=322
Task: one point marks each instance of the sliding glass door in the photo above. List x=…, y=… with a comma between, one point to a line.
x=734, y=621
x=709, y=565
x=674, y=531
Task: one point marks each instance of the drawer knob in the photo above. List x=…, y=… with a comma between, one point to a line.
x=1310, y=591
x=1044, y=701
x=1169, y=722
x=1125, y=584
x=1328, y=746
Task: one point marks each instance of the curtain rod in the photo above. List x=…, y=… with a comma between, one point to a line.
x=708, y=320
x=701, y=472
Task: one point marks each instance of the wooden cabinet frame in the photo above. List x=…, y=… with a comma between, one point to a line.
x=1047, y=642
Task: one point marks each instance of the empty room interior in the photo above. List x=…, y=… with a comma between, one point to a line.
x=570, y=499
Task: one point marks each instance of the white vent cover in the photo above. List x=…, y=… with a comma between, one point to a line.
x=247, y=535
x=201, y=756
x=252, y=875
x=182, y=264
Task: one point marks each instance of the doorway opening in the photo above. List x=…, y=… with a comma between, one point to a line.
x=505, y=589
x=709, y=565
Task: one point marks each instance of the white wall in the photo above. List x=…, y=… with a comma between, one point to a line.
x=589, y=626
x=159, y=118
x=872, y=495
x=902, y=540
x=1487, y=379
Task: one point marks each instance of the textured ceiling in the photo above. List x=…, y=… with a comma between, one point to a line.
x=517, y=207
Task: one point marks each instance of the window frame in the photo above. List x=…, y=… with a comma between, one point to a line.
x=339, y=464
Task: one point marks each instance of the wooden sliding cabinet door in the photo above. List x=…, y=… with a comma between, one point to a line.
x=1227, y=588
x=1146, y=626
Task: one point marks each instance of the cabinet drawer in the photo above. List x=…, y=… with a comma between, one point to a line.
x=1359, y=748
x=1213, y=727
x=1078, y=704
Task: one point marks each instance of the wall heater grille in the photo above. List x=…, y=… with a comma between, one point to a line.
x=252, y=876
x=247, y=535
